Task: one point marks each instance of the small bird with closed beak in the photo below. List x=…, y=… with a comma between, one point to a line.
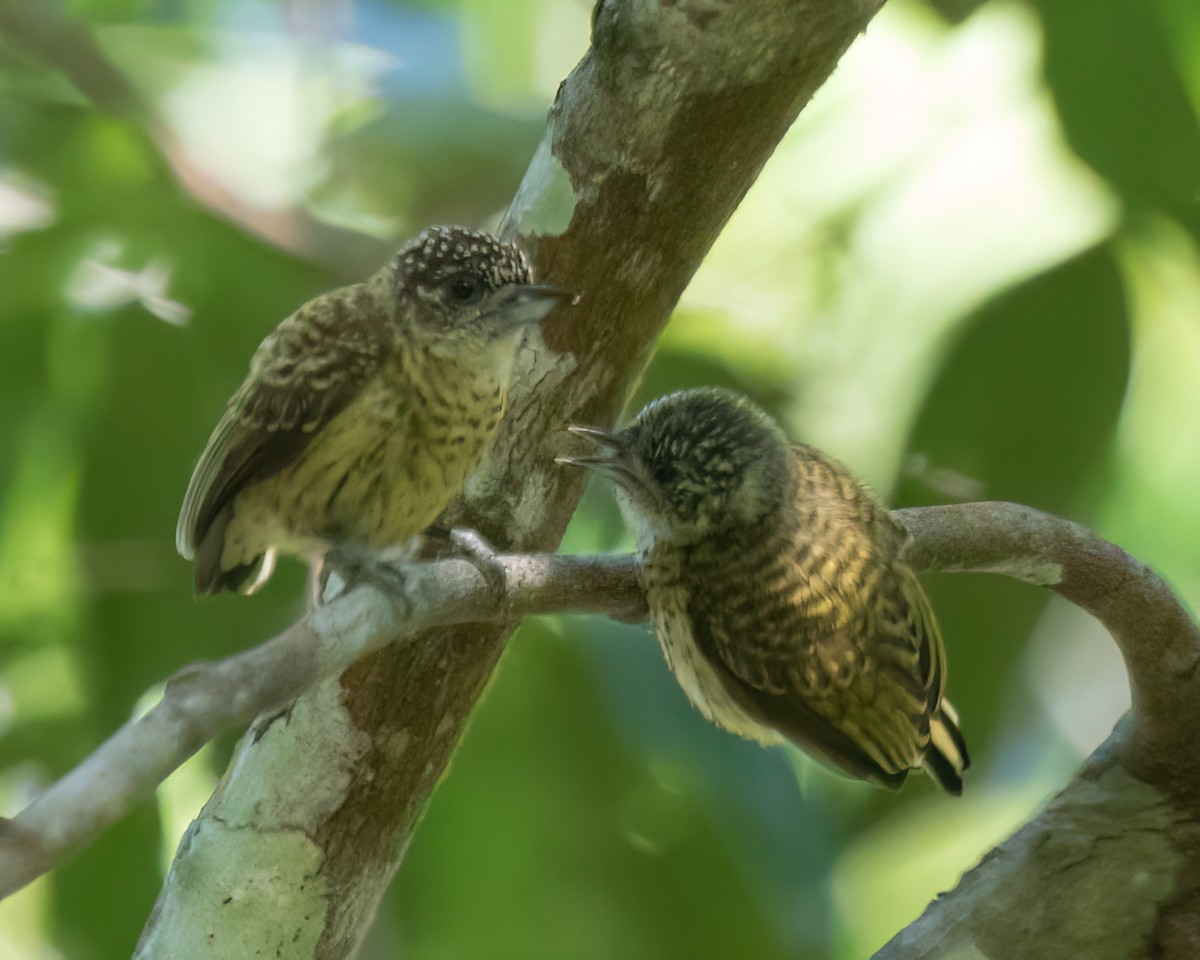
x=364, y=412
x=779, y=590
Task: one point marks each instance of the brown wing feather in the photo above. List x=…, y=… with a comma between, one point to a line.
x=789, y=711
x=776, y=693
x=840, y=651
x=304, y=373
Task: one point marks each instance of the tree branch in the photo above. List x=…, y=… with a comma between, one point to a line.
x=1110, y=869
x=1156, y=635
x=205, y=699
x=1062, y=859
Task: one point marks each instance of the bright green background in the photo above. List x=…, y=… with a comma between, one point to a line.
x=970, y=271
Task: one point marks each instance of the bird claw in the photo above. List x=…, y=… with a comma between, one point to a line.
x=471, y=546
x=355, y=565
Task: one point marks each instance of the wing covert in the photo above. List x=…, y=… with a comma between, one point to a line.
x=857, y=687
x=302, y=375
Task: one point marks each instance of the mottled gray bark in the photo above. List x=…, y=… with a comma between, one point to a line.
x=652, y=142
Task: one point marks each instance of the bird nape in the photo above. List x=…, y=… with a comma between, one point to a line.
x=779, y=590
x=365, y=411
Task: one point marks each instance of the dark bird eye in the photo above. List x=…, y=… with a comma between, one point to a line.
x=464, y=289
x=664, y=474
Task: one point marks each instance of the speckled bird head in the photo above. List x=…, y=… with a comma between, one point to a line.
x=459, y=285
x=693, y=463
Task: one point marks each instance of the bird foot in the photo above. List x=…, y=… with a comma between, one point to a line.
x=471, y=546
x=356, y=565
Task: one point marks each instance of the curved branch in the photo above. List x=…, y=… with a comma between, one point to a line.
x=1110, y=869
x=1156, y=635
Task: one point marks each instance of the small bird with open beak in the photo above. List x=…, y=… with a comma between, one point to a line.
x=779, y=590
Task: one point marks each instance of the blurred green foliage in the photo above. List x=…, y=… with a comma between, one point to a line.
x=970, y=271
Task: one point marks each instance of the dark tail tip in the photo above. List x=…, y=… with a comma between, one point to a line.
x=944, y=772
x=946, y=757
x=960, y=744
x=211, y=579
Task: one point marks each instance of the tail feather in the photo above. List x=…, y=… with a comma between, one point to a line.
x=210, y=577
x=947, y=756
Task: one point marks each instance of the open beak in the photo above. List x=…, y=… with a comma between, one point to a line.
x=607, y=459
x=522, y=303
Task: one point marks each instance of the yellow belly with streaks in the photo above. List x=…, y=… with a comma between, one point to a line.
x=378, y=474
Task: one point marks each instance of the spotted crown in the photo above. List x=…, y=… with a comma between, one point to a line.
x=699, y=447
x=437, y=253
x=711, y=430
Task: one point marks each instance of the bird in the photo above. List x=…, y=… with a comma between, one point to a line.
x=778, y=589
x=364, y=411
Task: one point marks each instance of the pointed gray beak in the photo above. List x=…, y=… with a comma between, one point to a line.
x=522, y=303
x=608, y=459
x=599, y=439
